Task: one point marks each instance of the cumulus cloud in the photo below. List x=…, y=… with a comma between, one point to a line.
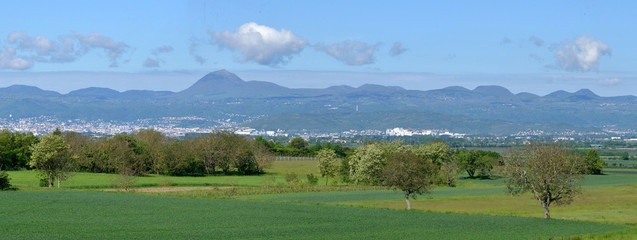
x=350, y=52
x=609, y=81
x=582, y=54
x=23, y=50
x=8, y=60
x=397, y=49
x=154, y=60
x=505, y=41
x=538, y=42
x=261, y=44
x=97, y=41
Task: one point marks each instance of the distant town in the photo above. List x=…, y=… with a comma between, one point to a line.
x=180, y=127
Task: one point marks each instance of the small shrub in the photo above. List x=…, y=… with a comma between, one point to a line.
x=4, y=181
x=43, y=181
x=312, y=180
x=165, y=183
x=292, y=178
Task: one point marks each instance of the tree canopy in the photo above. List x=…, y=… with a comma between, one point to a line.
x=548, y=170
x=409, y=173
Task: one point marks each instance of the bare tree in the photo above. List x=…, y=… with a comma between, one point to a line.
x=548, y=170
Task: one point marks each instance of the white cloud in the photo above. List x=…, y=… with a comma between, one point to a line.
x=261, y=44
x=94, y=40
x=397, y=49
x=609, y=81
x=8, y=60
x=537, y=41
x=583, y=54
x=351, y=52
x=24, y=50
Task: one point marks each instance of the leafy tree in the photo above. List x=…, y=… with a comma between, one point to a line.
x=592, y=163
x=263, y=157
x=52, y=158
x=327, y=163
x=448, y=172
x=476, y=161
x=154, y=141
x=548, y=170
x=437, y=151
x=15, y=149
x=298, y=143
x=366, y=164
x=409, y=173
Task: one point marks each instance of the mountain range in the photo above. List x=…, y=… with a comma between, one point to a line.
x=264, y=105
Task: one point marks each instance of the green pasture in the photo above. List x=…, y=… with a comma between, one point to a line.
x=619, y=162
x=28, y=178
x=337, y=212
x=97, y=215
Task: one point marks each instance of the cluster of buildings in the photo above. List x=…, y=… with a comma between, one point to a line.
x=423, y=132
x=181, y=126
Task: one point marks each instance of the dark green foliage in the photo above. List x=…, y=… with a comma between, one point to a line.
x=298, y=143
x=14, y=149
x=4, y=181
x=97, y=215
x=592, y=163
x=409, y=173
x=477, y=161
x=311, y=179
x=148, y=151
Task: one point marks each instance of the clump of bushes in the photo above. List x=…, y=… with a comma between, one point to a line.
x=4, y=181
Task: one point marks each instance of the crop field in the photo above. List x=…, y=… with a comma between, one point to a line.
x=95, y=215
x=475, y=209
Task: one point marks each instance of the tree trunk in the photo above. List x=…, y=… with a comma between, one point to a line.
x=326, y=180
x=407, y=200
x=49, y=175
x=547, y=214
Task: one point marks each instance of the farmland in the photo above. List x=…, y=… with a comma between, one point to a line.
x=475, y=209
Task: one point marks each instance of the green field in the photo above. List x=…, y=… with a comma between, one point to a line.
x=476, y=209
x=619, y=163
x=94, y=215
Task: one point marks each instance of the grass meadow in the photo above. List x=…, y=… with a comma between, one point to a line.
x=237, y=207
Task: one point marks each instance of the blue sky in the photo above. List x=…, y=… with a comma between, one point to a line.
x=534, y=46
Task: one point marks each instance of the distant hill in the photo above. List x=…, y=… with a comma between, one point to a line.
x=223, y=95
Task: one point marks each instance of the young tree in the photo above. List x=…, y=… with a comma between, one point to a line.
x=592, y=163
x=327, y=163
x=548, y=170
x=409, y=173
x=52, y=158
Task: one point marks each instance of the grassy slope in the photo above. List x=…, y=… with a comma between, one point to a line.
x=94, y=215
